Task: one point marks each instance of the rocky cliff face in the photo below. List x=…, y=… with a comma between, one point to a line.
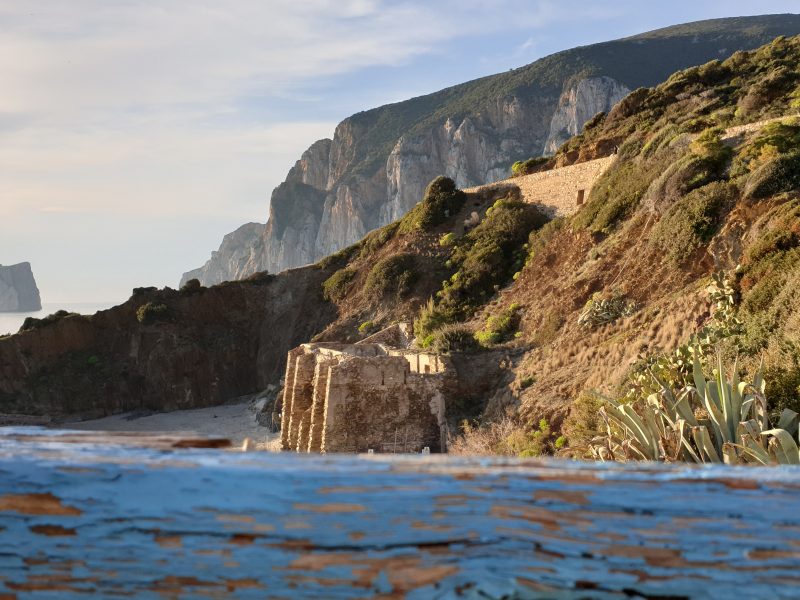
x=211, y=345
x=236, y=258
x=325, y=204
x=18, y=291
x=471, y=151
x=579, y=103
x=378, y=163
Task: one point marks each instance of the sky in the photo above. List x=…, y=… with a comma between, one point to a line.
x=134, y=134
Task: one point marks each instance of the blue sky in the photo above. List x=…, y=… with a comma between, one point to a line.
x=136, y=133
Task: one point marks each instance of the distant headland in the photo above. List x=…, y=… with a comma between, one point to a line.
x=18, y=291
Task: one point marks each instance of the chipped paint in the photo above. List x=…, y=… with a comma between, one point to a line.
x=125, y=519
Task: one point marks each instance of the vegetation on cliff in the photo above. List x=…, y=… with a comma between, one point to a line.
x=485, y=275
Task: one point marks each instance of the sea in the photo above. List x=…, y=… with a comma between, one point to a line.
x=10, y=322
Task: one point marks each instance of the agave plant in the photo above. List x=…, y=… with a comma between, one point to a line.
x=600, y=311
x=718, y=420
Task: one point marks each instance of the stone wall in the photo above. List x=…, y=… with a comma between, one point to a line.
x=560, y=191
x=360, y=397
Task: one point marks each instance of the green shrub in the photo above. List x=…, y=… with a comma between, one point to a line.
x=32, y=323
x=193, y=285
x=539, y=238
x=775, y=138
x=430, y=319
x=769, y=277
x=781, y=174
x=448, y=239
x=393, y=275
x=453, y=338
x=536, y=441
x=141, y=291
x=375, y=240
x=259, y=278
x=582, y=425
x=783, y=388
x=693, y=220
x=489, y=255
x=527, y=382
x=506, y=437
x=335, y=287
x=366, y=327
x=340, y=258
x=526, y=167
x=709, y=147
x=152, y=313
x=614, y=196
x=499, y=328
x=442, y=200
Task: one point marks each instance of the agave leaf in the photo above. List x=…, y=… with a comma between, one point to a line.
x=717, y=418
x=747, y=405
x=737, y=387
x=636, y=428
x=754, y=451
x=656, y=433
x=750, y=428
x=642, y=434
x=655, y=418
x=666, y=390
x=725, y=397
x=703, y=441
x=789, y=421
x=729, y=455
x=697, y=373
x=684, y=409
x=782, y=440
x=685, y=443
x=776, y=450
x=759, y=382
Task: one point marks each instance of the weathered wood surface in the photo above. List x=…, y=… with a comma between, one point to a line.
x=98, y=517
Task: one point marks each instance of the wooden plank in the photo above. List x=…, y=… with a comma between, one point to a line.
x=114, y=519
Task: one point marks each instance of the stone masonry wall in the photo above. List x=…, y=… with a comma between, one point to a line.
x=560, y=191
x=359, y=397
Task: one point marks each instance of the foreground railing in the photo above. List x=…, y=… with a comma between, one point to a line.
x=113, y=515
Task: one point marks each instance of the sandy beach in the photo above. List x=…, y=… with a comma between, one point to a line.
x=233, y=421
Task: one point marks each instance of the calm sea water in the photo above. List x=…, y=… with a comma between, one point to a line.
x=11, y=322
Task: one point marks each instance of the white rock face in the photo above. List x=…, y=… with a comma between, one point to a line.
x=578, y=104
x=235, y=259
x=330, y=199
x=18, y=291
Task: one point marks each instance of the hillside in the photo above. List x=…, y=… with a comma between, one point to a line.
x=379, y=161
x=696, y=188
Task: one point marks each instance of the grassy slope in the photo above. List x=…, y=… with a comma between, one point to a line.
x=654, y=229
x=641, y=60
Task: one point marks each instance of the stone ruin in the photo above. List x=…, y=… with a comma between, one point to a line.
x=372, y=395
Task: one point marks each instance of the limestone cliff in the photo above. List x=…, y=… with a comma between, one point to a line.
x=578, y=104
x=379, y=161
x=18, y=291
x=235, y=259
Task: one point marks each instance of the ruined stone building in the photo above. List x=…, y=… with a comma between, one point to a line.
x=371, y=395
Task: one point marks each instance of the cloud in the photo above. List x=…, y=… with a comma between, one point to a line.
x=193, y=110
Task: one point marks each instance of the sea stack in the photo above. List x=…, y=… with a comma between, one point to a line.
x=18, y=291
